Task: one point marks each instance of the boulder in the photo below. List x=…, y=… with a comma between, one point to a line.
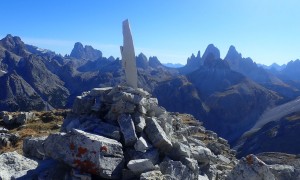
x=87, y=152
x=23, y=117
x=251, y=168
x=156, y=135
x=142, y=145
x=14, y=165
x=139, y=166
x=34, y=147
x=127, y=128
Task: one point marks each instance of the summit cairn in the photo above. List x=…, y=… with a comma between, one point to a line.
x=128, y=56
x=129, y=136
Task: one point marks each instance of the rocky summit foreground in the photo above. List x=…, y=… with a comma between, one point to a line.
x=121, y=133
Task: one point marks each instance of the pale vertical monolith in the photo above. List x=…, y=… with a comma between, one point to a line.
x=128, y=56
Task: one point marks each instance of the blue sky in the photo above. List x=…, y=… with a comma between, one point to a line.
x=265, y=30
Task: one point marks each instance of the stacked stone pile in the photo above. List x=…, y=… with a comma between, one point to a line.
x=122, y=133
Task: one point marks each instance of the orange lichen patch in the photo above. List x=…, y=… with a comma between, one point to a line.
x=86, y=166
x=103, y=149
x=81, y=151
x=72, y=146
x=249, y=159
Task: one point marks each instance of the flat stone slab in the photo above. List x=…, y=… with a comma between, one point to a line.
x=157, y=135
x=139, y=166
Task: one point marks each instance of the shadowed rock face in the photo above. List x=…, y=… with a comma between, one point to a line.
x=275, y=136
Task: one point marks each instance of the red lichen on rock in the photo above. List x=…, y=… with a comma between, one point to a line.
x=81, y=151
x=72, y=146
x=103, y=149
x=85, y=166
x=249, y=159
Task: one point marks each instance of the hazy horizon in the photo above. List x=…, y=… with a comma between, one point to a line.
x=171, y=30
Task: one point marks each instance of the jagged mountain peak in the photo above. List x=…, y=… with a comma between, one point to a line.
x=154, y=62
x=232, y=54
x=211, y=49
x=86, y=52
x=14, y=44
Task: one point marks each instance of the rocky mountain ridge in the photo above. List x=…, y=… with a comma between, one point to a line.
x=225, y=97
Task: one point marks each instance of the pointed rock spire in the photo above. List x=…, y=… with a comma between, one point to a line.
x=128, y=56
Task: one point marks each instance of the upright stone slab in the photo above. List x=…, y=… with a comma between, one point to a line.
x=127, y=128
x=128, y=56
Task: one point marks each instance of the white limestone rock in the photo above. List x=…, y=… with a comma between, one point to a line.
x=139, y=122
x=157, y=135
x=142, y=145
x=128, y=56
x=14, y=165
x=201, y=154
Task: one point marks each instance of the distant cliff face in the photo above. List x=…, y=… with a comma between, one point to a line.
x=87, y=52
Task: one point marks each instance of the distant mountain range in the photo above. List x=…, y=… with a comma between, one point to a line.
x=228, y=95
